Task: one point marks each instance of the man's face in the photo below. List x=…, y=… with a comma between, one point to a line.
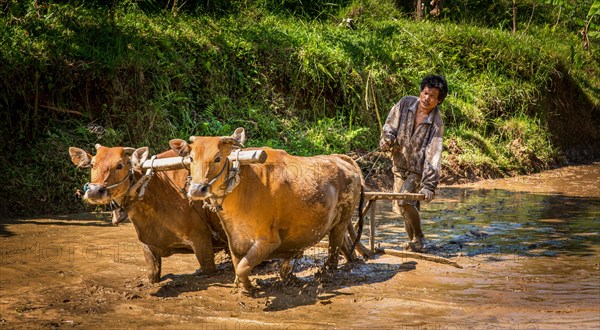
x=429, y=98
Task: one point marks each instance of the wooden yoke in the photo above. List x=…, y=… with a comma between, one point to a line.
x=176, y=163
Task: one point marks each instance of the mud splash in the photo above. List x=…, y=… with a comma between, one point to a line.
x=530, y=249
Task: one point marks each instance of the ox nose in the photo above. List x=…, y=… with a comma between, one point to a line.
x=198, y=190
x=95, y=191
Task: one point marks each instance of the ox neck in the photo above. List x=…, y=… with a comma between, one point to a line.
x=136, y=190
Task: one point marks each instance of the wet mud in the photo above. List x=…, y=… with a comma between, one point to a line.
x=529, y=247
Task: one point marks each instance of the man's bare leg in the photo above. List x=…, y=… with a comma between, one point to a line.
x=412, y=225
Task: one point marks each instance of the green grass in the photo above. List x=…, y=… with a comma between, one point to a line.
x=288, y=73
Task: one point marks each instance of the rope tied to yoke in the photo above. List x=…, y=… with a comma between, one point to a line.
x=142, y=183
x=119, y=213
x=374, y=163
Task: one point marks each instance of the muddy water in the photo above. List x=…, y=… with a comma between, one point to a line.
x=529, y=247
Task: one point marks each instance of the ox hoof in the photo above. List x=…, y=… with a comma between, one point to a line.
x=199, y=273
x=247, y=292
x=325, y=275
x=416, y=245
x=244, y=287
x=252, y=293
x=292, y=280
x=202, y=272
x=154, y=278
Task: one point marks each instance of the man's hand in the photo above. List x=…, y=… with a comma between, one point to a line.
x=428, y=194
x=386, y=143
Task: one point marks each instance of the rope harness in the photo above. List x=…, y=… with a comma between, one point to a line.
x=374, y=163
x=231, y=181
x=128, y=176
x=136, y=190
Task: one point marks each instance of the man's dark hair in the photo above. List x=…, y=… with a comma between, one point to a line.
x=438, y=82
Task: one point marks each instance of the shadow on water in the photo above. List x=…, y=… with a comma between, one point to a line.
x=470, y=222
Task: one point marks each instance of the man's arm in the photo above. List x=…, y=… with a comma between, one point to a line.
x=390, y=128
x=433, y=162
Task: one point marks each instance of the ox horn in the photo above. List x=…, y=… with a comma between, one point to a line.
x=128, y=150
x=97, y=146
x=192, y=138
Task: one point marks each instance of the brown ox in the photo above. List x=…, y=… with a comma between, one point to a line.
x=165, y=222
x=278, y=208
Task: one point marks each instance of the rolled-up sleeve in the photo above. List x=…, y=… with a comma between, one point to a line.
x=390, y=128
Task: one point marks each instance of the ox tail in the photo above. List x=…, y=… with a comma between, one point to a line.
x=361, y=220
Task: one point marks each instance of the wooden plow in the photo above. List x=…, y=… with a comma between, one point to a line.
x=371, y=197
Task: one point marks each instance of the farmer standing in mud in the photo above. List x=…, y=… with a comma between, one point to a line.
x=413, y=133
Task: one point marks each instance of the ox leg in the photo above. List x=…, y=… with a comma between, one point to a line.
x=286, y=270
x=336, y=240
x=205, y=255
x=349, y=255
x=255, y=255
x=154, y=262
x=235, y=261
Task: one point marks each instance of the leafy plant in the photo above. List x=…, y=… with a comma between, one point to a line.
x=586, y=32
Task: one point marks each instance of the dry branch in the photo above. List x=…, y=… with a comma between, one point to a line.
x=416, y=255
x=375, y=195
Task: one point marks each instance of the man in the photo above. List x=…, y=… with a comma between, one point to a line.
x=413, y=132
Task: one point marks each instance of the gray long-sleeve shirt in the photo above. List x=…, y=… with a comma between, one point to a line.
x=418, y=149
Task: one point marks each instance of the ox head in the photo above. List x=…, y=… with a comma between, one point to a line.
x=210, y=165
x=112, y=171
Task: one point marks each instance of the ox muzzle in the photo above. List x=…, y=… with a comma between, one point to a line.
x=96, y=193
x=199, y=191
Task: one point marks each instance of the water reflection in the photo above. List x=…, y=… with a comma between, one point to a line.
x=468, y=222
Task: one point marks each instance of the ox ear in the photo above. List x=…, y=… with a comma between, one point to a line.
x=236, y=139
x=139, y=156
x=239, y=135
x=180, y=147
x=80, y=158
x=231, y=142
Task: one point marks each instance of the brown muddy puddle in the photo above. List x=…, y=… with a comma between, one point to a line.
x=529, y=247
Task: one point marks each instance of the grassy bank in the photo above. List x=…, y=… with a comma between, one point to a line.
x=77, y=73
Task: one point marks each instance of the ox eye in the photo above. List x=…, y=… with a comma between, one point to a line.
x=119, y=166
x=218, y=159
